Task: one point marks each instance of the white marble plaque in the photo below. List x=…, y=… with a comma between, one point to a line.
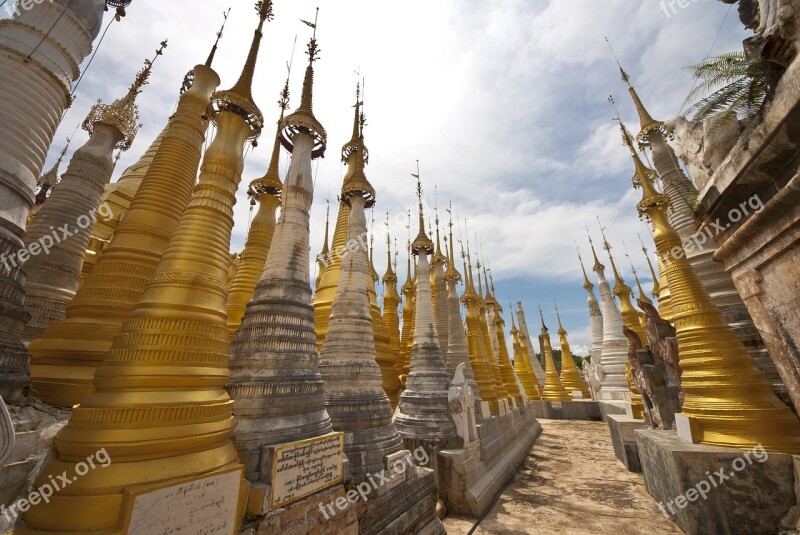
x=302, y=468
x=204, y=506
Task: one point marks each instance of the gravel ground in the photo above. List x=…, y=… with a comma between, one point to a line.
x=571, y=484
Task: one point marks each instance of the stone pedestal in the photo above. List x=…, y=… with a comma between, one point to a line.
x=309, y=516
x=622, y=435
x=474, y=475
x=707, y=489
x=608, y=407
x=567, y=410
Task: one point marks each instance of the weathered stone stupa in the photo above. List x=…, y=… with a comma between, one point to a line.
x=53, y=277
x=423, y=418
x=36, y=79
x=275, y=383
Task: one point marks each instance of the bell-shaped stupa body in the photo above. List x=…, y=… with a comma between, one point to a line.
x=35, y=81
x=53, y=277
x=64, y=358
x=117, y=198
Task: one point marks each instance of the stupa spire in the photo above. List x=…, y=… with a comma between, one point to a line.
x=648, y=124
x=553, y=387
x=266, y=191
x=522, y=365
x=323, y=258
x=424, y=412
x=213, y=52
x=656, y=288
x=729, y=402
x=303, y=117
x=571, y=376
x=390, y=300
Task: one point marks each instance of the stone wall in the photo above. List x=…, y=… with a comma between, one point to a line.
x=306, y=517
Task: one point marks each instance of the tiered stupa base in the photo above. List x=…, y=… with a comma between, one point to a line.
x=477, y=472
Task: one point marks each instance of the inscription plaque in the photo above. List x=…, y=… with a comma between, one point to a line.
x=302, y=468
x=205, y=506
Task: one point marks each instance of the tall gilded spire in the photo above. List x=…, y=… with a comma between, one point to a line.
x=65, y=357
x=522, y=365
x=646, y=122
x=169, y=358
x=526, y=340
x=477, y=352
x=728, y=401
x=266, y=191
x=553, y=387
x=656, y=287
x=570, y=374
x=491, y=356
x=391, y=299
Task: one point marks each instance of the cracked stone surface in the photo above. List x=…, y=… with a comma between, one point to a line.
x=571, y=484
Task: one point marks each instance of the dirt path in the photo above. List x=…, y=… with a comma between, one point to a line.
x=571, y=484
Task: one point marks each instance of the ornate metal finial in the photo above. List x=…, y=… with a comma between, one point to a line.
x=451, y=272
x=642, y=296
x=303, y=120
x=357, y=183
x=648, y=124
x=239, y=98
x=213, y=52
x=422, y=243
x=597, y=265
x=123, y=114
x=48, y=180
x=656, y=285
x=586, y=283
x=119, y=6
x=541, y=314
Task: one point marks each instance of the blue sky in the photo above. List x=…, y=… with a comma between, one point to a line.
x=503, y=102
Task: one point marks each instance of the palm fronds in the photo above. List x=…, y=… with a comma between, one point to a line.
x=735, y=88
